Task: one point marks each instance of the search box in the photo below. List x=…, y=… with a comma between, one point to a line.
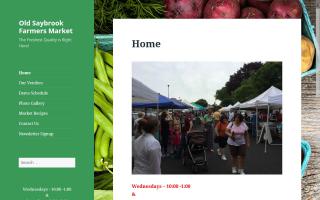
x=47, y=162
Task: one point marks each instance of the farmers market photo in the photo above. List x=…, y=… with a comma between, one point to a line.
x=207, y=118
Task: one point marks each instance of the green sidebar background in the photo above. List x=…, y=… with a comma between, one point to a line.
x=67, y=70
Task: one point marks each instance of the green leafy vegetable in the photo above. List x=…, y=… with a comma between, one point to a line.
x=107, y=10
x=103, y=195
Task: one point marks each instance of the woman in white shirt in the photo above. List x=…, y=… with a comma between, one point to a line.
x=147, y=149
x=238, y=142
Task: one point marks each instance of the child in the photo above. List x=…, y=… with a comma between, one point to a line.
x=176, y=140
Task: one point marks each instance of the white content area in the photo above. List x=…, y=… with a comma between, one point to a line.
x=209, y=41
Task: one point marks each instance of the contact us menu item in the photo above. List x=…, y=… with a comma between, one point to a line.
x=46, y=106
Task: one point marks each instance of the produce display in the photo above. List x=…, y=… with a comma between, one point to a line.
x=103, y=181
x=251, y=13
x=107, y=10
x=103, y=124
x=102, y=195
x=285, y=9
x=242, y=2
x=222, y=9
x=184, y=8
x=230, y=9
x=263, y=6
x=307, y=53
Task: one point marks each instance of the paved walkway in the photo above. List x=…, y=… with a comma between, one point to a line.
x=257, y=162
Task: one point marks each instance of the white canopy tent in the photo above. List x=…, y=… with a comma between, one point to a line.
x=141, y=93
x=263, y=100
x=226, y=109
x=272, y=97
x=236, y=106
x=276, y=100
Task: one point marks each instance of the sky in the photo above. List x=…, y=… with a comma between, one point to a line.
x=188, y=80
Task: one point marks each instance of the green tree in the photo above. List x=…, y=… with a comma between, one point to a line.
x=202, y=102
x=227, y=101
x=242, y=74
x=270, y=74
x=245, y=92
x=224, y=96
x=252, y=83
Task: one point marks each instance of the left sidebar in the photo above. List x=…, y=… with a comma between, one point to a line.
x=46, y=100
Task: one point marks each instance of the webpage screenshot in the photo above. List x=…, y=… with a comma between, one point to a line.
x=160, y=99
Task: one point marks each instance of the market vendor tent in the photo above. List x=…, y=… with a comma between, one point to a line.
x=180, y=104
x=141, y=93
x=272, y=97
x=198, y=107
x=163, y=102
x=236, y=106
x=263, y=100
x=277, y=100
x=226, y=109
x=189, y=104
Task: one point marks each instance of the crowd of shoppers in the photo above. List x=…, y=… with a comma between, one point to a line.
x=229, y=132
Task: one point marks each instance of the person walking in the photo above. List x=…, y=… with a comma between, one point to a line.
x=216, y=117
x=221, y=136
x=187, y=128
x=176, y=133
x=165, y=128
x=238, y=142
x=188, y=123
x=176, y=122
x=147, y=149
x=137, y=129
x=208, y=128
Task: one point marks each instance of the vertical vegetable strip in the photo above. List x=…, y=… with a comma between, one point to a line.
x=103, y=123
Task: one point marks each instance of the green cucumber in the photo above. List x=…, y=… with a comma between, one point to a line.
x=99, y=67
x=105, y=89
x=103, y=122
x=98, y=160
x=104, y=145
